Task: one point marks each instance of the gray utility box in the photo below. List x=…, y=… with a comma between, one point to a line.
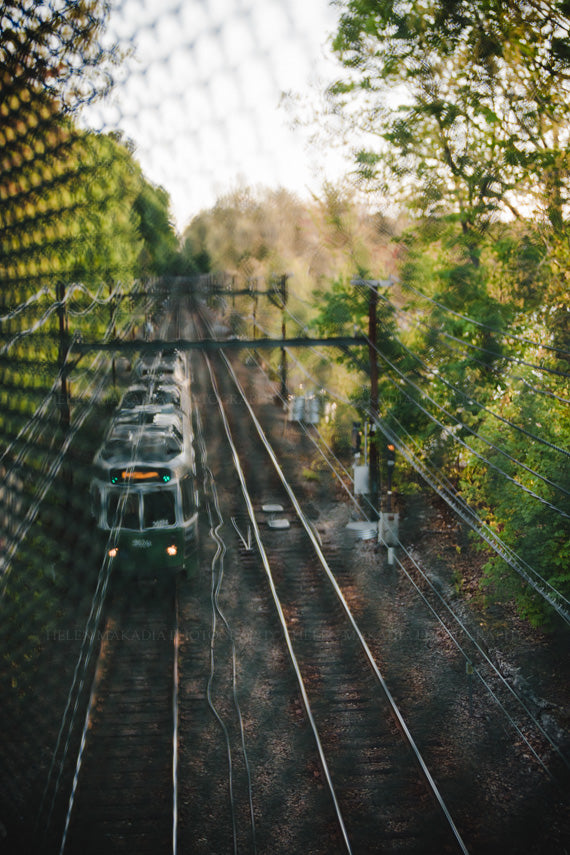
x=388, y=528
x=361, y=480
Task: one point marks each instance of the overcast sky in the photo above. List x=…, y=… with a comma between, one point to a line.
x=200, y=94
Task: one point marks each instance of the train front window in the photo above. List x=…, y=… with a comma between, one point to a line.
x=126, y=515
x=159, y=509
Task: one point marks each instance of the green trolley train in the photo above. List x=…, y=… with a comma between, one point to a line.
x=143, y=492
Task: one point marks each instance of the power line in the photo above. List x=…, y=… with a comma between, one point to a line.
x=495, y=354
x=473, y=402
x=482, y=325
x=451, y=611
x=531, y=576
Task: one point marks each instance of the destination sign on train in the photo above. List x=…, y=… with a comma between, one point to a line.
x=140, y=473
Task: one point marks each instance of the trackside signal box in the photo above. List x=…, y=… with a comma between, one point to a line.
x=388, y=528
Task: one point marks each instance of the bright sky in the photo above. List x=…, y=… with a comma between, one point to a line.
x=200, y=95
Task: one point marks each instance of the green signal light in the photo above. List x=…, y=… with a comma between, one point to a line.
x=166, y=478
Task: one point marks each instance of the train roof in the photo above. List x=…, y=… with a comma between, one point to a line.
x=149, y=417
x=152, y=425
x=172, y=365
x=159, y=448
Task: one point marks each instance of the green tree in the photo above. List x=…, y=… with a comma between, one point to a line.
x=468, y=100
x=160, y=244
x=534, y=521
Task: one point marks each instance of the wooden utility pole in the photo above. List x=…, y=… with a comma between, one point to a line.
x=372, y=332
x=283, y=295
x=373, y=457
x=252, y=289
x=64, y=412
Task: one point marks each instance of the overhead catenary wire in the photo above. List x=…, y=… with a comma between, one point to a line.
x=471, y=400
x=468, y=634
x=457, y=421
x=477, y=672
x=498, y=372
x=485, y=365
x=530, y=575
x=481, y=457
x=541, y=345
x=495, y=354
x=533, y=578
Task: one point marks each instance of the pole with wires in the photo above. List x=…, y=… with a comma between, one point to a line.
x=283, y=298
x=373, y=459
x=63, y=349
x=373, y=454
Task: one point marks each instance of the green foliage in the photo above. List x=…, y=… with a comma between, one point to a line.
x=482, y=125
x=160, y=244
x=532, y=522
x=470, y=110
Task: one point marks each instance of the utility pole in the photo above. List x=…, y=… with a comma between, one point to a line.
x=114, y=328
x=283, y=296
x=64, y=413
x=372, y=328
x=373, y=458
x=253, y=291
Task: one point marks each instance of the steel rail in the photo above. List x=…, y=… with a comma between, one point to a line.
x=365, y=647
x=450, y=610
x=278, y=606
x=467, y=514
x=81, y=667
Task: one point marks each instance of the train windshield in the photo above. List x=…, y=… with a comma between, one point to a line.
x=123, y=510
x=159, y=509
x=155, y=508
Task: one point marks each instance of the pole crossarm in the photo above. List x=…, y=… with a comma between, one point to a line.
x=142, y=346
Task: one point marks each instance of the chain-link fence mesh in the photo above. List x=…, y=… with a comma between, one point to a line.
x=100, y=105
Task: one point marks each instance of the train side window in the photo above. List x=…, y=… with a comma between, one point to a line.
x=188, y=505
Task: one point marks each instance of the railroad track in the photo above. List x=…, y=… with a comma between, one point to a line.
x=124, y=796
x=370, y=790
x=289, y=738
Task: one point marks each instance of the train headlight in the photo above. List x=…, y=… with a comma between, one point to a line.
x=172, y=550
x=113, y=552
